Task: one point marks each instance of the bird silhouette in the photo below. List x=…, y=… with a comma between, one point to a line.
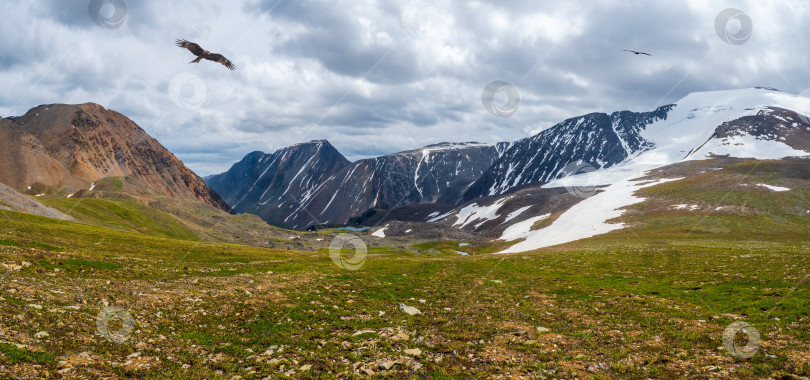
x=638, y=52
x=205, y=54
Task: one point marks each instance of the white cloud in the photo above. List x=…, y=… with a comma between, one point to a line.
x=375, y=80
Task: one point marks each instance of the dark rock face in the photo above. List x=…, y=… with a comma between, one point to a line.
x=313, y=185
x=272, y=185
x=770, y=123
x=61, y=147
x=599, y=140
x=330, y=190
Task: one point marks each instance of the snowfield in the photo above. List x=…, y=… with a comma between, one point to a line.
x=587, y=218
x=773, y=188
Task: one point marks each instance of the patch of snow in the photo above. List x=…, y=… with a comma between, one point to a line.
x=93, y=186
x=684, y=207
x=70, y=195
x=746, y=146
x=514, y=214
x=585, y=219
x=462, y=253
x=463, y=244
x=718, y=208
x=433, y=214
x=380, y=233
x=474, y=212
x=29, y=187
x=408, y=231
x=774, y=188
x=521, y=229
x=440, y=217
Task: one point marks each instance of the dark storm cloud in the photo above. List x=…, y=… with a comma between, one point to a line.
x=379, y=77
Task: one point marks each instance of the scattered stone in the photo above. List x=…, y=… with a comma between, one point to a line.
x=413, y=352
x=542, y=329
x=41, y=334
x=388, y=364
x=305, y=367
x=400, y=336
x=409, y=309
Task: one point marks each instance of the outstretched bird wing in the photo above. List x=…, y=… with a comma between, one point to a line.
x=638, y=52
x=192, y=47
x=219, y=58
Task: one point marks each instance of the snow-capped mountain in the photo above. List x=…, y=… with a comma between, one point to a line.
x=753, y=123
x=599, y=140
x=270, y=185
x=437, y=173
x=758, y=123
x=323, y=188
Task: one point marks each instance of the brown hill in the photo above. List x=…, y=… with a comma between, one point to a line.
x=60, y=148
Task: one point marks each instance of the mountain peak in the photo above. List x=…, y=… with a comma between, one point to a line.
x=66, y=147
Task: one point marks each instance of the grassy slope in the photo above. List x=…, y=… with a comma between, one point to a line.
x=123, y=214
x=124, y=203
x=648, y=301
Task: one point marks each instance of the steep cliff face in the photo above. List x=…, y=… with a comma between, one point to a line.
x=270, y=185
x=598, y=139
x=311, y=184
x=65, y=148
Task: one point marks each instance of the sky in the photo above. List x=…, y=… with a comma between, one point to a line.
x=378, y=77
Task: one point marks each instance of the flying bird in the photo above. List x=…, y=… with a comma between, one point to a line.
x=638, y=52
x=205, y=54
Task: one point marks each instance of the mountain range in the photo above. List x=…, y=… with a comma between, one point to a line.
x=62, y=151
x=312, y=184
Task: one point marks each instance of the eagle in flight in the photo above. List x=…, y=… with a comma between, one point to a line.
x=638, y=52
x=205, y=54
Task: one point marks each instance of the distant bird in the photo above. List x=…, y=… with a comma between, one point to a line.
x=638, y=52
x=205, y=54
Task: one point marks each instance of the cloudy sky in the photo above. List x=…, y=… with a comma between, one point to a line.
x=377, y=77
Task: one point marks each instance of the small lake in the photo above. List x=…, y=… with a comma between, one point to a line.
x=354, y=229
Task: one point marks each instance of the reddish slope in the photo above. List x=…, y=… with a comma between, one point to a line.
x=68, y=147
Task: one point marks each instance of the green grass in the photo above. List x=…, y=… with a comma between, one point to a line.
x=13, y=355
x=123, y=214
x=648, y=301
